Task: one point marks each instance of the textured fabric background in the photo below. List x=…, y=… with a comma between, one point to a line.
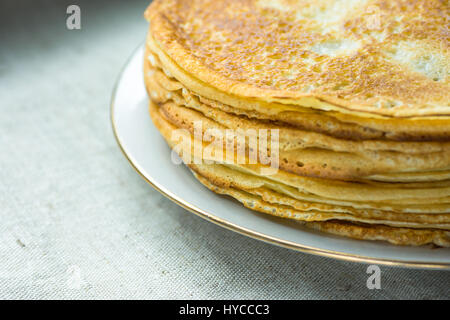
x=78, y=222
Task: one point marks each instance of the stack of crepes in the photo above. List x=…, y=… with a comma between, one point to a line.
x=359, y=93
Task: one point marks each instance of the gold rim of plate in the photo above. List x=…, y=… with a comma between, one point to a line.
x=250, y=233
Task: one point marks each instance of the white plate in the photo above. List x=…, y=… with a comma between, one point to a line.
x=149, y=154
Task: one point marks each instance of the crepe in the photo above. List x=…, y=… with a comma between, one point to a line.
x=189, y=52
x=334, y=114
x=309, y=148
x=381, y=196
x=344, y=159
x=397, y=236
x=361, y=222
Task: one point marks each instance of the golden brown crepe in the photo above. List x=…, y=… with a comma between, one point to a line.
x=355, y=92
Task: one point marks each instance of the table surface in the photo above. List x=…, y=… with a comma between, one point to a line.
x=78, y=222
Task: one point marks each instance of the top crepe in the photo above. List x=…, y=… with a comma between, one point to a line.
x=365, y=58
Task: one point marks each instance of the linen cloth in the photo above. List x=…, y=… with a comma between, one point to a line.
x=77, y=222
